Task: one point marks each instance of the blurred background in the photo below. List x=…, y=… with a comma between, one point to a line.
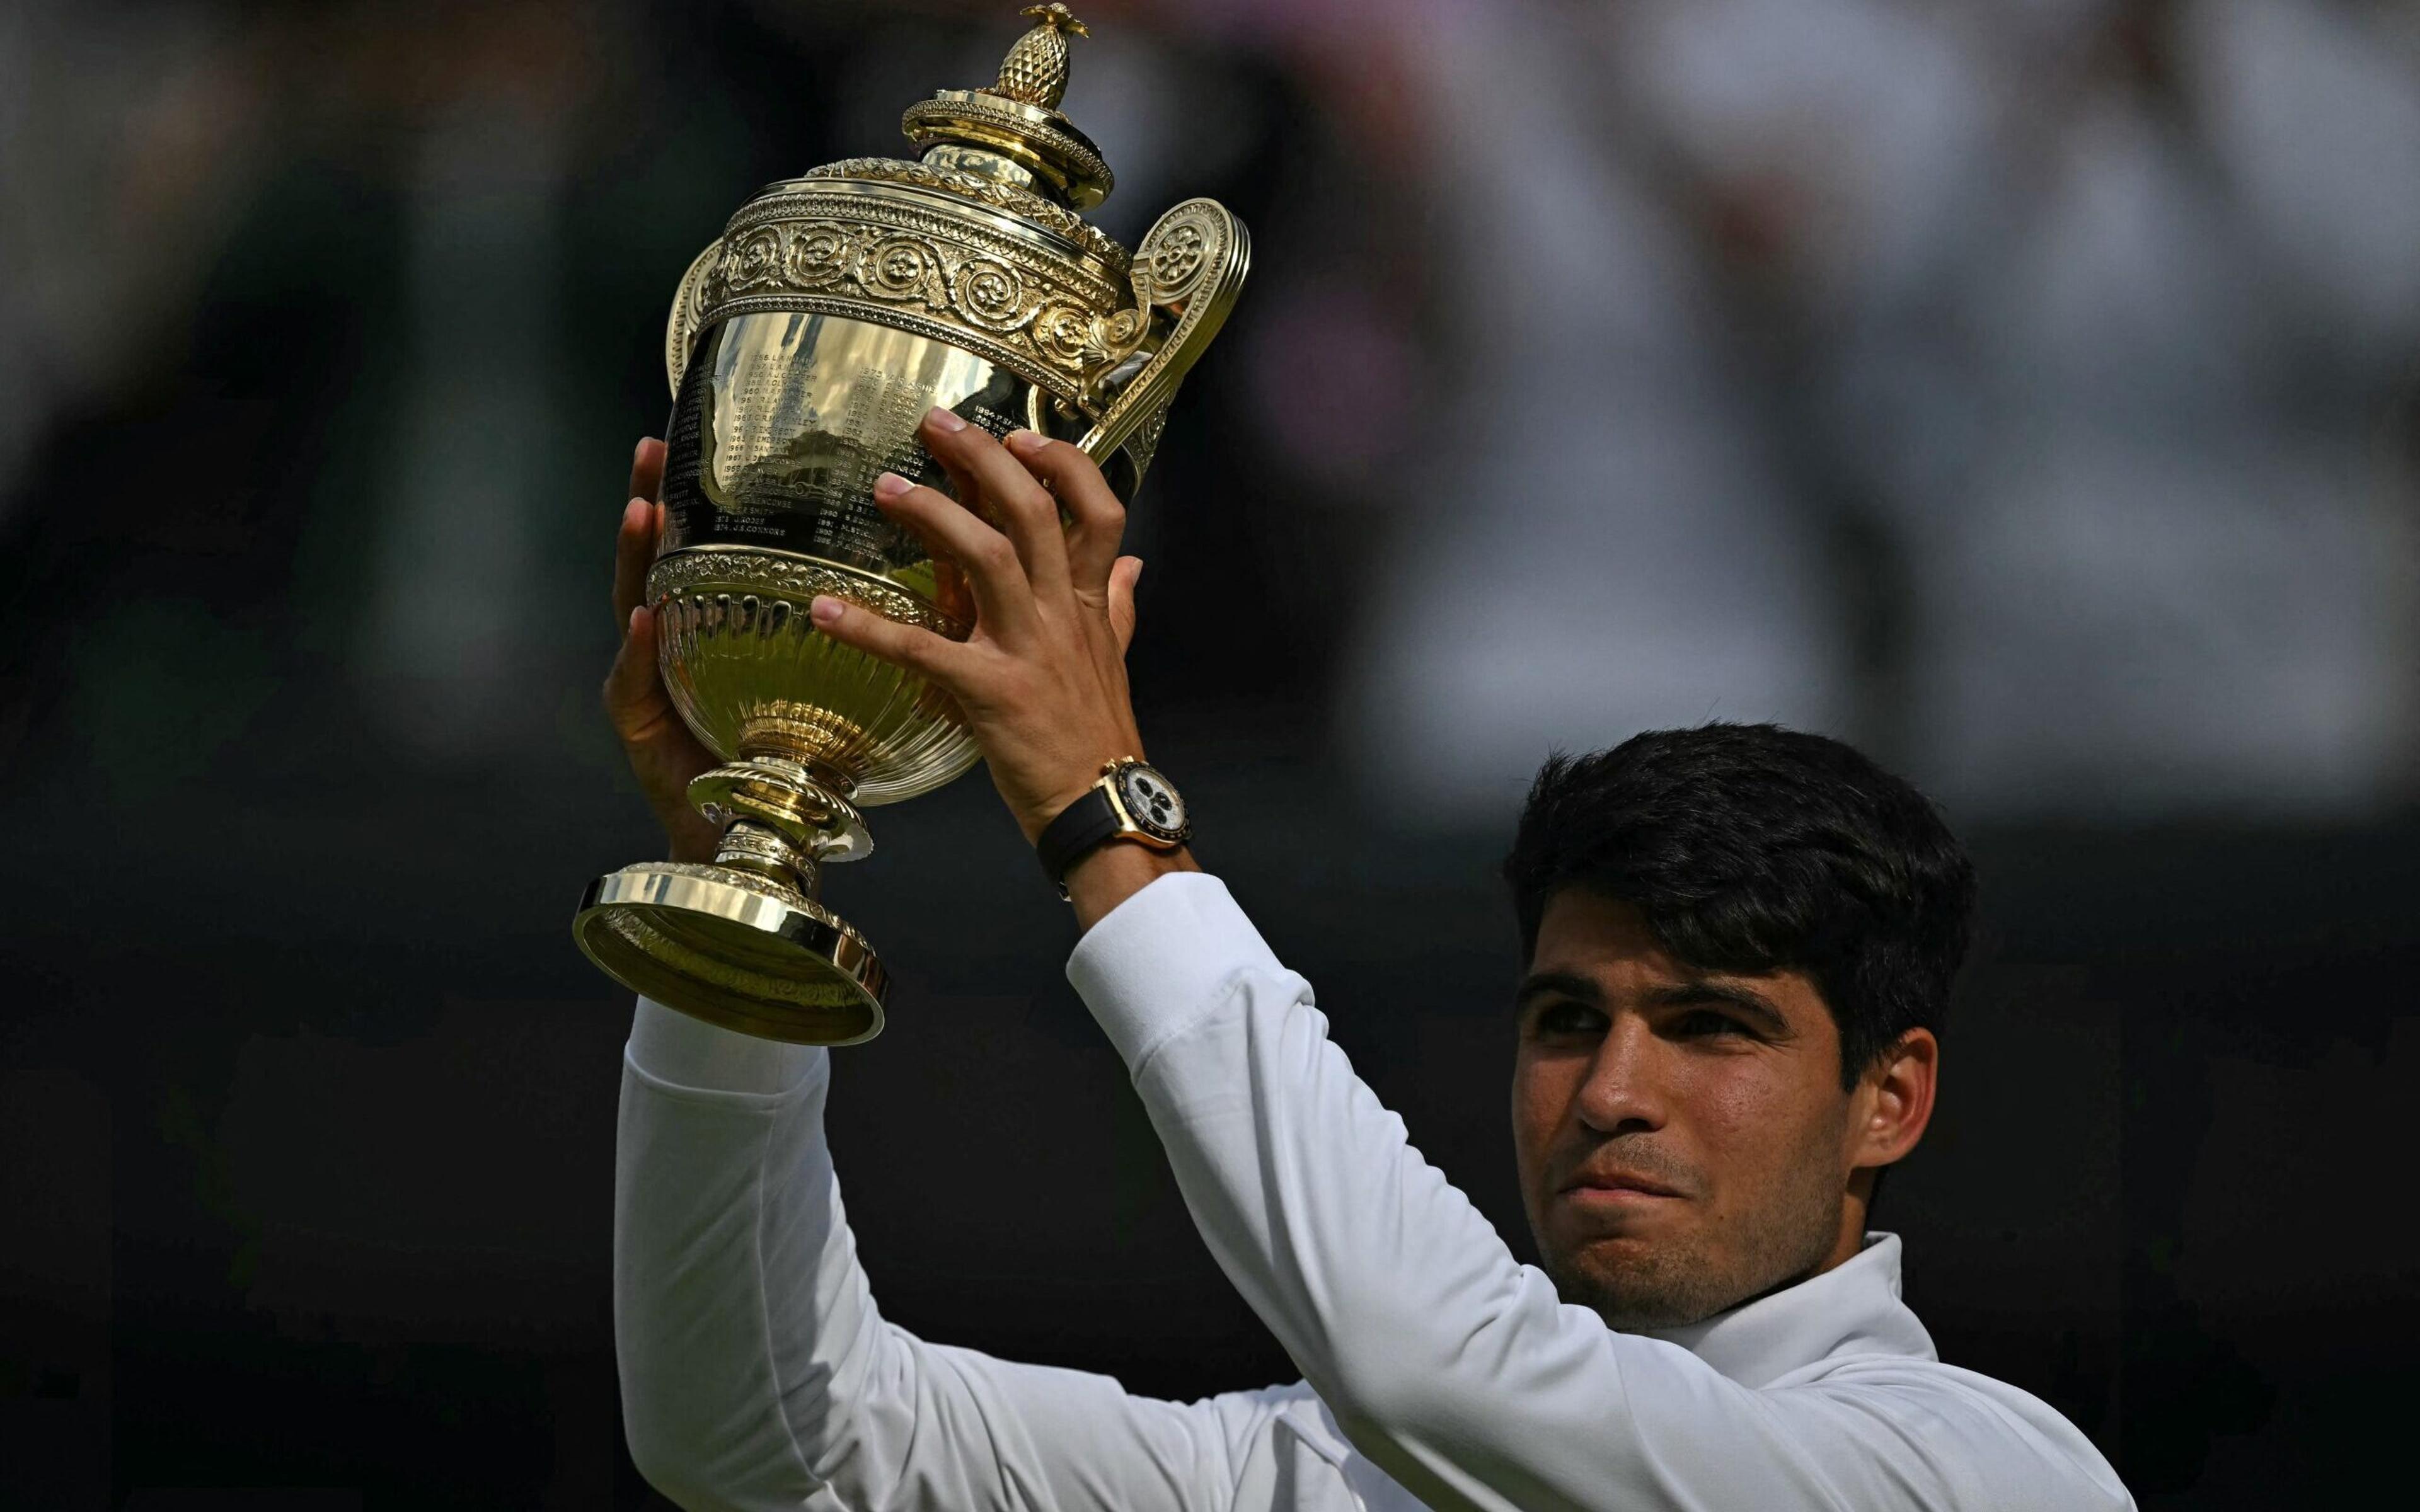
x=2026, y=392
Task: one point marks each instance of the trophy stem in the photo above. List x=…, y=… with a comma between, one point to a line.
x=781, y=818
x=760, y=849
x=743, y=943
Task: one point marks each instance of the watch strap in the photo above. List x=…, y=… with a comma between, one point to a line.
x=1080, y=827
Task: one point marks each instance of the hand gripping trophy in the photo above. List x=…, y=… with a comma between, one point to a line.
x=804, y=347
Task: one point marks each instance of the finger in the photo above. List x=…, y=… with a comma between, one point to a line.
x=937, y=659
x=1003, y=597
x=646, y=468
x=952, y=591
x=1124, y=574
x=1022, y=507
x=1098, y=520
x=963, y=487
x=633, y=549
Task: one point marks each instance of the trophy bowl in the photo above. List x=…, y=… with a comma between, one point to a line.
x=805, y=346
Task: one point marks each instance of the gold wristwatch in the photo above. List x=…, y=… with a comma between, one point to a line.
x=1131, y=801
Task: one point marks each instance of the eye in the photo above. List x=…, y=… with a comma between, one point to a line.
x=1565, y=1020
x=1704, y=1023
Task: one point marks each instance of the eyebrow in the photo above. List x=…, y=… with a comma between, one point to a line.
x=1563, y=983
x=1746, y=1003
x=1742, y=1000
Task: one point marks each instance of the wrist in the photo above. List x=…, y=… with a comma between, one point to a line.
x=1036, y=816
x=1034, y=820
x=1115, y=873
x=1129, y=802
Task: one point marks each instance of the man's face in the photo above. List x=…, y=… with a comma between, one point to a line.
x=1684, y=1140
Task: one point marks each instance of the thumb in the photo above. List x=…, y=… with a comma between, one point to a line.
x=1124, y=574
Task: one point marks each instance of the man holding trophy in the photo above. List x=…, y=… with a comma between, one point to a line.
x=1741, y=944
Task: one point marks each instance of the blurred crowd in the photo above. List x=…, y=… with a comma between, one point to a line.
x=2026, y=389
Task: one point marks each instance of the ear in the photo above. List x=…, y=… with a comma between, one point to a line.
x=1895, y=1101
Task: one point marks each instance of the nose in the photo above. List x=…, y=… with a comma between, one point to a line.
x=1622, y=1094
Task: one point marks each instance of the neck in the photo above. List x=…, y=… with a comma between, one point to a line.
x=1851, y=1236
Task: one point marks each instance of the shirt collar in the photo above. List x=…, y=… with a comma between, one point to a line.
x=1853, y=1309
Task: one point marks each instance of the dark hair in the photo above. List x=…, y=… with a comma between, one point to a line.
x=1752, y=848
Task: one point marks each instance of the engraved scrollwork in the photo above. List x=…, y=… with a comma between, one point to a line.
x=752, y=262
x=1145, y=443
x=1186, y=273
x=1177, y=251
x=1006, y=297
x=992, y=294
x=1067, y=336
x=1178, y=260
x=795, y=578
x=818, y=254
x=1095, y=243
x=903, y=268
x=1173, y=261
x=1111, y=338
x=689, y=313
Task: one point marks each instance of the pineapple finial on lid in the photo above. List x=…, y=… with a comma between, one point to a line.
x=1012, y=131
x=1036, y=70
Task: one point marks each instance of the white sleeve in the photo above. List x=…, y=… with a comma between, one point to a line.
x=1453, y=1365
x=756, y=1372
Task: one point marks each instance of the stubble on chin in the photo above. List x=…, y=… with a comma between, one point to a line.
x=1688, y=1278
x=1662, y=1288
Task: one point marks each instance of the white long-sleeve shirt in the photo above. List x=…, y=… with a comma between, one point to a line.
x=1439, y=1371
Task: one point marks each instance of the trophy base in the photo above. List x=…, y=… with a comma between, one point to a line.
x=738, y=951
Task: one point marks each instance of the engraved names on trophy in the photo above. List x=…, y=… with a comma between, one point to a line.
x=785, y=421
x=779, y=444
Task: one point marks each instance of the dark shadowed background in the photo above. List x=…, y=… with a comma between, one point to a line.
x=2025, y=391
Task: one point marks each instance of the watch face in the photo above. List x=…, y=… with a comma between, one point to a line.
x=1150, y=801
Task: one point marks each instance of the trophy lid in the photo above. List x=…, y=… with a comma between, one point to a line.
x=981, y=244
x=1013, y=131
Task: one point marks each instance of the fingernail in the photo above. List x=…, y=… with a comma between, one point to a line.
x=890, y=485
x=636, y=609
x=825, y=609
x=940, y=419
x=1026, y=441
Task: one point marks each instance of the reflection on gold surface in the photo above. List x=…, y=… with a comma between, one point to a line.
x=805, y=347
x=784, y=420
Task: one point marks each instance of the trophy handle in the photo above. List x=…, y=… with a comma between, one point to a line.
x=688, y=311
x=1187, y=274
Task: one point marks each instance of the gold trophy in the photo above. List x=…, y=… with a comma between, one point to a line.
x=805, y=347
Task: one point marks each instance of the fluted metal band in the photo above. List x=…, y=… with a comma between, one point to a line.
x=795, y=578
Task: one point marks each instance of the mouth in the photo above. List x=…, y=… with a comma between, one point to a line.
x=1611, y=1187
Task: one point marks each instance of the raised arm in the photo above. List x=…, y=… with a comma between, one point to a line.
x=757, y=1372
